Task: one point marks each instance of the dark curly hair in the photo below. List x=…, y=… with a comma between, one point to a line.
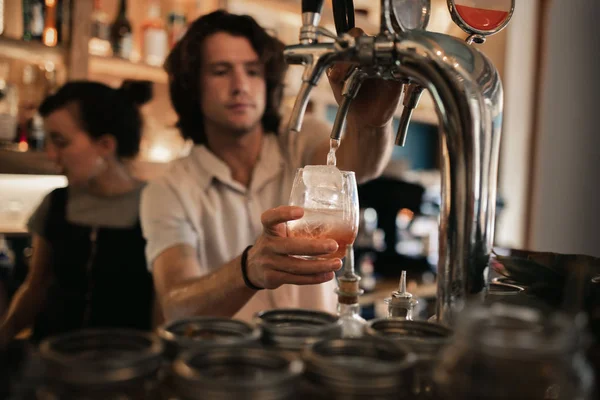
x=103, y=110
x=184, y=62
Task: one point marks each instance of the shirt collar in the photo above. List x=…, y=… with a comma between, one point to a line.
x=268, y=166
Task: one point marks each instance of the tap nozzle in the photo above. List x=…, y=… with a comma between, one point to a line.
x=300, y=107
x=349, y=92
x=412, y=95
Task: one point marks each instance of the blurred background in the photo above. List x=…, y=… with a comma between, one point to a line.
x=547, y=58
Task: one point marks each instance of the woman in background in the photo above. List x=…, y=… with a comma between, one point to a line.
x=88, y=267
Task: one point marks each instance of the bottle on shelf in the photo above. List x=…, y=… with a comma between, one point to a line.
x=353, y=325
x=121, y=34
x=99, y=44
x=9, y=106
x=154, y=36
x=177, y=26
x=37, y=134
x=33, y=20
x=28, y=101
x=50, y=33
x=63, y=20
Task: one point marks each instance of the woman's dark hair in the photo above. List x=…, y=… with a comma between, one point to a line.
x=185, y=60
x=102, y=110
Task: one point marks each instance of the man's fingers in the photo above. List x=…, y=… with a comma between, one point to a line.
x=304, y=246
x=338, y=72
x=298, y=266
x=271, y=218
x=285, y=278
x=356, y=32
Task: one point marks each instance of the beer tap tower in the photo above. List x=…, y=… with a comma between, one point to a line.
x=467, y=93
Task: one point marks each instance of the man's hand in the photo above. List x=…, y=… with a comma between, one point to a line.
x=270, y=261
x=377, y=99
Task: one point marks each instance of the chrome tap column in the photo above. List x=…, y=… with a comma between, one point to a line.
x=467, y=92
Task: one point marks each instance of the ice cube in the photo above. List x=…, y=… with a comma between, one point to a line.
x=323, y=197
x=322, y=176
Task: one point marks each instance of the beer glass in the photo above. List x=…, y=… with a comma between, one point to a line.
x=330, y=201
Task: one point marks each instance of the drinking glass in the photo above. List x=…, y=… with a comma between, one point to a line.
x=330, y=210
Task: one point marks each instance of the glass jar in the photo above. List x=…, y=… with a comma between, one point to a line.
x=371, y=368
x=236, y=372
x=205, y=331
x=292, y=330
x=425, y=339
x=101, y=364
x=509, y=351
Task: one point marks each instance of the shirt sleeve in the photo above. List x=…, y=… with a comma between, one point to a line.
x=301, y=146
x=38, y=219
x=164, y=220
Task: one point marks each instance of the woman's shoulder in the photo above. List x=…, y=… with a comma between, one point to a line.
x=120, y=211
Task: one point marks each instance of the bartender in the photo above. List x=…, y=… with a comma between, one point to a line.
x=215, y=223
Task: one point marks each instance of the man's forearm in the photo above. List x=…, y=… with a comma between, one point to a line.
x=366, y=150
x=220, y=293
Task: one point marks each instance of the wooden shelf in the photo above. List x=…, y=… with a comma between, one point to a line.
x=28, y=162
x=126, y=69
x=33, y=52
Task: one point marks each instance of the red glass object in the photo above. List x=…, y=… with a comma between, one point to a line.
x=481, y=18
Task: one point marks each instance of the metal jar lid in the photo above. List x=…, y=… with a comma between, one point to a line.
x=422, y=337
x=294, y=329
x=368, y=366
x=236, y=372
x=202, y=331
x=101, y=356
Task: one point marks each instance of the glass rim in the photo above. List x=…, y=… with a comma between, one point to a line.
x=342, y=171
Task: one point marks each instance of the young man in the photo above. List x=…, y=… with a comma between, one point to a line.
x=226, y=78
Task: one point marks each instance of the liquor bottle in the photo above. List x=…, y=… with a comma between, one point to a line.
x=353, y=325
x=99, y=43
x=63, y=20
x=176, y=26
x=121, y=33
x=33, y=19
x=154, y=37
x=9, y=106
x=50, y=34
x=28, y=100
x=401, y=303
x=37, y=134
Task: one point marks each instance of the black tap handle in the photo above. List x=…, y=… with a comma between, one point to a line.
x=350, y=13
x=315, y=6
x=343, y=15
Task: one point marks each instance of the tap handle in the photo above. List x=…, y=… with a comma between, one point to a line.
x=343, y=15
x=312, y=6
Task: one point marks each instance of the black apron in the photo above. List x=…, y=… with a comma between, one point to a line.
x=100, y=276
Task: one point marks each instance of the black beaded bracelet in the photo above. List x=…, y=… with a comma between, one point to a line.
x=245, y=272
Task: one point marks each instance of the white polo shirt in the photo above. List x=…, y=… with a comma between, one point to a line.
x=199, y=204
